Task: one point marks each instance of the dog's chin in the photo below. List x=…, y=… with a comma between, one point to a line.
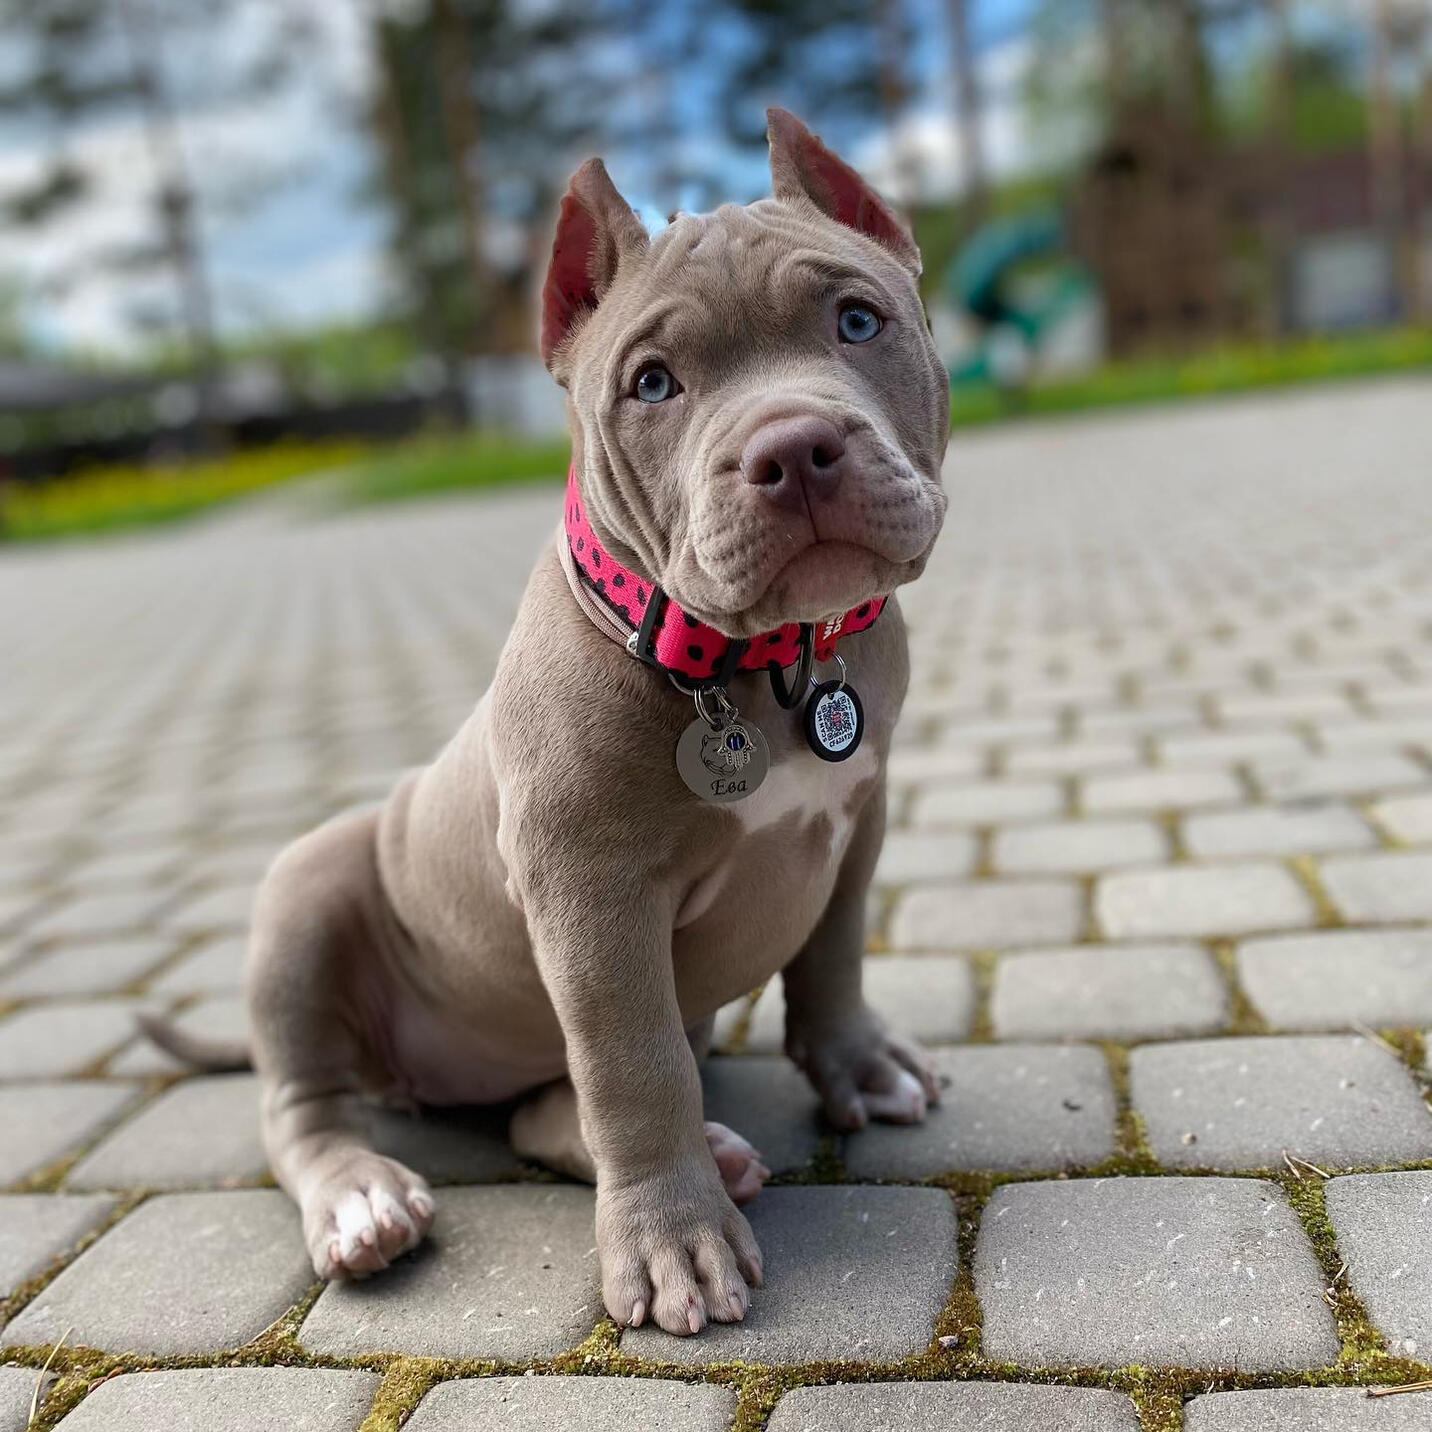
x=820, y=581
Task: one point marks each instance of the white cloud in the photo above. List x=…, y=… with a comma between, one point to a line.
x=305, y=256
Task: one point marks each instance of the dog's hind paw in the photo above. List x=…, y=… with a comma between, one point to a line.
x=862, y=1071
x=740, y=1166
x=359, y=1219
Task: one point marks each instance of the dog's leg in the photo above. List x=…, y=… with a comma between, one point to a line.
x=546, y=1129
x=313, y=936
x=860, y=1069
x=673, y=1245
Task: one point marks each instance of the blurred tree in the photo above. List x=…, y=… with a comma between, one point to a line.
x=76, y=63
x=967, y=111
x=830, y=61
x=478, y=106
x=14, y=339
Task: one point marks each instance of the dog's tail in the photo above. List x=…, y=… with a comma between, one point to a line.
x=214, y=1056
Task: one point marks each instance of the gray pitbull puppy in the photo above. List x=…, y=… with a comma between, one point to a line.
x=546, y=910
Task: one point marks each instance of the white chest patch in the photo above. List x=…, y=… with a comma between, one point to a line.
x=807, y=788
x=802, y=788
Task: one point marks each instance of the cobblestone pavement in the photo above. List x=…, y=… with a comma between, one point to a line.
x=1158, y=892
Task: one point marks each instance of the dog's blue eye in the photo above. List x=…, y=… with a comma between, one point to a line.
x=858, y=324
x=654, y=384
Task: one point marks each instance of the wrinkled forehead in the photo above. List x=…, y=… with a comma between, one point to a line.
x=716, y=288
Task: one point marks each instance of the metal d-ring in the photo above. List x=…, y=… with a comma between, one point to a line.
x=791, y=696
x=726, y=712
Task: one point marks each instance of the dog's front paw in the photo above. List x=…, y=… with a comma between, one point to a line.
x=863, y=1071
x=675, y=1249
x=365, y=1213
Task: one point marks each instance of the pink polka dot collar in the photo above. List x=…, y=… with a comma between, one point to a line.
x=666, y=637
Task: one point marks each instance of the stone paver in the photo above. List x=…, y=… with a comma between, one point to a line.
x=1381, y=888
x=37, y=1227
x=1192, y=900
x=1197, y=1272
x=1078, y=847
x=1005, y=1107
x=1383, y=1223
x=1409, y=818
x=768, y=1101
x=550, y=1404
x=1103, y=992
x=509, y=1273
x=1072, y=758
x=223, y=910
x=447, y=1145
x=951, y=1407
x=184, y=1273
x=928, y=997
x=929, y=855
x=919, y=764
x=53, y=1039
x=228, y=1399
x=1160, y=790
x=111, y=913
x=1339, y=775
x=1220, y=748
x=984, y=803
x=216, y=967
x=1276, y=830
x=1338, y=1100
x=1304, y=1409
x=17, y=1388
x=40, y=1123
x=203, y=1132
x=1412, y=731
x=1333, y=979
x=982, y=914
x=87, y=969
x=857, y=1273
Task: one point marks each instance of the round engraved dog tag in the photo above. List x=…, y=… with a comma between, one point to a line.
x=722, y=763
x=834, y=721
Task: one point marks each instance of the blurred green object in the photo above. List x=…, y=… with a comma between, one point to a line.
x=984, y=279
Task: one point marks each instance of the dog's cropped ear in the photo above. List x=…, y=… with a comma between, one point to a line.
x=802, y=167
x=595, y=228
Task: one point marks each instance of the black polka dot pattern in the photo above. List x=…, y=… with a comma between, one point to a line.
x=686, y=646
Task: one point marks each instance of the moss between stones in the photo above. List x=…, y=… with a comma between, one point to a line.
x=1305, y=871
x=1134, y=1155
x=1089, y=931
x=406, y=1382
x=982, y=967
x=1243, y=1016
x=1411, y=1047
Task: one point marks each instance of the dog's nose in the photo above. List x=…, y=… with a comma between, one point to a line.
x=794, y=460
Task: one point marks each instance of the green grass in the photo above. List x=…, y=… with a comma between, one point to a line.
x=111, y=498
x=108, y=498
x=1225, y=370
x=444, y=463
